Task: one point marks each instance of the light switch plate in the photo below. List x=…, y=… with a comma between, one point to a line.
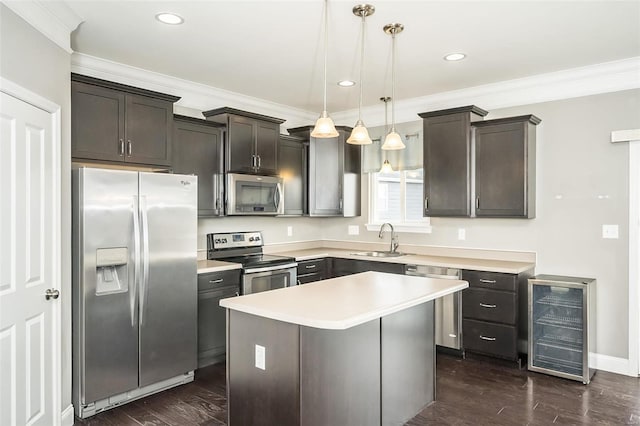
x=354, y=230
x=462, y=234
x=289, y=231
x=610, y=231
x=260, y=357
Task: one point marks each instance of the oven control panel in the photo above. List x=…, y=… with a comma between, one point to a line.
x=236, y=240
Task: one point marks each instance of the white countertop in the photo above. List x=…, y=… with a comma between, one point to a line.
x=489, y=265
x=205, y=266
x=344, y=302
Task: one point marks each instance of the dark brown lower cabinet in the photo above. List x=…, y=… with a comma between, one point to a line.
x=312, y=270
x=381, y=372
x=341, y=267
x=494, y=314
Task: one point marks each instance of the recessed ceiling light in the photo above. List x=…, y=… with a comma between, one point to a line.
x=455, y=57
x=346, y=83
x=169, y=18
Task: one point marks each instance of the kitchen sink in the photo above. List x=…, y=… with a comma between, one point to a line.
x=379, y=253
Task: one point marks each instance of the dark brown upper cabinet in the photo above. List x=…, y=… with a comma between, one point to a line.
x=198, y=150
x=334, y=173
x=447, y=160
x=251, y=140
x=292, y=168
x=112, y=122
x=505, y=165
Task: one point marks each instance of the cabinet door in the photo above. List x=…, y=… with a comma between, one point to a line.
x=148, y=130
x=267, y=147
x=291, y=168
x=97, y=123
x=326, y=165
x=241, y=144
x=447, y=143
x=212, y=325
x=501, y=171
x=197, y=149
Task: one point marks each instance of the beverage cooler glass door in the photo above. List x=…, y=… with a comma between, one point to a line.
x=556, y=323
x=255, y=282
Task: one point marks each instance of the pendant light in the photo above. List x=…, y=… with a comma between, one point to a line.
x=324, y=127
x=386, y=165
x=393, y=140
x=360, y=134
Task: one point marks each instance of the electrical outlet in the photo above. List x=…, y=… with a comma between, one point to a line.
x=289, y=231
x=261, y=352
x=354, y=230
x=610, y=231
x=462, y=234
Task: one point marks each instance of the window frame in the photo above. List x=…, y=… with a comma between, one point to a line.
x=421, y=226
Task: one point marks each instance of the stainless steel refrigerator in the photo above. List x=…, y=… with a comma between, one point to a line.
x=134, y=285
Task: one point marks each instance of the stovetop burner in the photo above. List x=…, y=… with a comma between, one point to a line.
x=244, y=248
x=259, y=260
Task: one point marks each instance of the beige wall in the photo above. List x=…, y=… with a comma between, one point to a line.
x=32, y=61
x=576, y=161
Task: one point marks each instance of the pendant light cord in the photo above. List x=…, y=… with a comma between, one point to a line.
x=364, y=14
x=393, y=81
x=326, y=48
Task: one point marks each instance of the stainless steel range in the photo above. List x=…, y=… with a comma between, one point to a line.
x=260, y=272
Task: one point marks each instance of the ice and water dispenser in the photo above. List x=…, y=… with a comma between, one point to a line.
x=111, y=270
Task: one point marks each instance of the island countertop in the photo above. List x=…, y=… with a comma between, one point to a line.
x=344, y=302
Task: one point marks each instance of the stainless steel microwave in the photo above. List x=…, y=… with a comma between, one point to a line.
x=254, y=195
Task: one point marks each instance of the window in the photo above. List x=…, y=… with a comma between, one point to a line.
x=397, y=198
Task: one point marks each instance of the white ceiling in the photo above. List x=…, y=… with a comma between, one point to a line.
x=273, y=50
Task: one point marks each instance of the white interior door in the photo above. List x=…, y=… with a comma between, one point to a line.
x=29, y=265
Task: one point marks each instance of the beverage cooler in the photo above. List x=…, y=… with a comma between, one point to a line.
x=562, y=326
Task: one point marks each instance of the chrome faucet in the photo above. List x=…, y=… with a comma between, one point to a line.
x=394, y=238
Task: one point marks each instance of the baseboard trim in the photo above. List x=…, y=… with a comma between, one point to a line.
x=67, y=416
x=611, y=364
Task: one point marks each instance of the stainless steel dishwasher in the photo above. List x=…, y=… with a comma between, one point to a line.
x=448, y=309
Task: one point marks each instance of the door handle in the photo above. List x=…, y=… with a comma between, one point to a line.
x=484, y=305
x=121, y=150
x=145, y=257
x=51, y=293
x=219, y=280
x=487, y=281
x=491, y=339
x=129, y=148
x=259, y=161
x=426, y=203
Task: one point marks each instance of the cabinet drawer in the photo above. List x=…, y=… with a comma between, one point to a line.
x=492, y=280
x=309, y=278
x=312, y=266
x=491, y=339
x=489, y=305
x=218, y=279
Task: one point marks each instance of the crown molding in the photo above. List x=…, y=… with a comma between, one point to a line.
x=572, y=83
x=55, y=20
x=194, y=95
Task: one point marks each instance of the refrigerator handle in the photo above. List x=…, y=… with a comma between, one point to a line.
x=136, y=258
x=145, y=256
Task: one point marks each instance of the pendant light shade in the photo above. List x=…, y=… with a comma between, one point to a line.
x=393, y=139
x=386, y=167
x=324, y=127
x=360, y=134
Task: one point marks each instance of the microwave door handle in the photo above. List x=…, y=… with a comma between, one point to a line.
x=277, y=196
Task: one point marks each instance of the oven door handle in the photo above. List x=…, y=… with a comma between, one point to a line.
x=270, y=268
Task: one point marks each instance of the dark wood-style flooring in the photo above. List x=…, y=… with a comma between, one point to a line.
x=469, y=392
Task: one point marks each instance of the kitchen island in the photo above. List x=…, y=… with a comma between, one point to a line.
x=353, y=350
